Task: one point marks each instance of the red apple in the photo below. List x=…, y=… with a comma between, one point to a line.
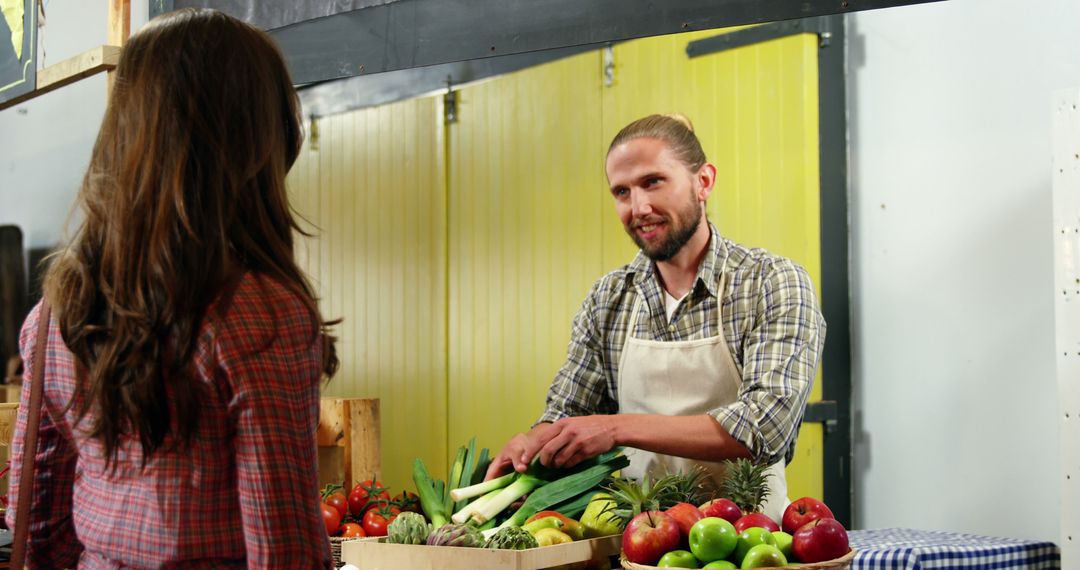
x=756, y=519
x=649, y=536
x=722, y=508
x=685, y=516
x=803, y=511
x=820, y=540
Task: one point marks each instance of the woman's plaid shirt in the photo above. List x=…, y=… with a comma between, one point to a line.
x=244, y=495
x=771, y=322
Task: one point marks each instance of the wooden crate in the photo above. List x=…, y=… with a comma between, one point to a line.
x=375, y=554
x=348, y=440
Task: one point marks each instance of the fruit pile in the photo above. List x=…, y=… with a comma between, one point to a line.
x=728, y=532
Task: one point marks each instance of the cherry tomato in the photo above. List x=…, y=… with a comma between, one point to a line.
x=331, y=518
x=366, y=492
x=376, y=520
x=351, y=530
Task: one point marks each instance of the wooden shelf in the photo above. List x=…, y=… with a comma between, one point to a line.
x=94, y=61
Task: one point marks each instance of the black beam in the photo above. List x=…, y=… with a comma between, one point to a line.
x=330, y=97
x=753, y=35
x=415, y=33
x=836, y=360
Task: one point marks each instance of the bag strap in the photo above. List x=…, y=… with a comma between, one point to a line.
x=33, y=419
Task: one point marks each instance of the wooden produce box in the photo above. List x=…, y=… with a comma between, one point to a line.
x=348, y=441
x=374, y=554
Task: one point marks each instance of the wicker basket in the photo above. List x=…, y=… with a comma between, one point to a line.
x=335, y=548
x=842, y=563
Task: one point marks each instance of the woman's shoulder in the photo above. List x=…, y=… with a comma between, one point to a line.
x=259, y=310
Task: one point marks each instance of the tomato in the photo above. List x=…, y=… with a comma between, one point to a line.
x=331, y=518
x=351, y=530
x=407, y=501
x=338, y=501
x=365, y=492
x=376, y=520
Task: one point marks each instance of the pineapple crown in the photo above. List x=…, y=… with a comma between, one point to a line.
x=632, y=498
x=746, y=484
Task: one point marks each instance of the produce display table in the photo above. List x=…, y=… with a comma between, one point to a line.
x=909, y=549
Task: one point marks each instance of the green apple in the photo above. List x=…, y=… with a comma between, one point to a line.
x=750, y=538
x=764, y=556
x=721, y=565
x=678, y=559
x=712, y=538
x=783, y=542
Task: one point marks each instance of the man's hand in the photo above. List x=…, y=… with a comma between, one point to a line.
x=519, y=451
x=577, y=439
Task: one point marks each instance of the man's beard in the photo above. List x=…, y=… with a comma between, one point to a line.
x=681, y=229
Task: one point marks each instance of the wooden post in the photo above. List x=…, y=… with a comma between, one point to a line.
x=348, y=441
x=119, y=28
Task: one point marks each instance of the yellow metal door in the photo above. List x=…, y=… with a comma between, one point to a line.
x=371, y=183
x=526, y=199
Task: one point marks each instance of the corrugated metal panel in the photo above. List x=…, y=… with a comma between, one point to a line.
x=755, y=110
x=526, y=202
x=373, y=183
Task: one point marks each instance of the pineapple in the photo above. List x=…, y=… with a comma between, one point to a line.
x=689, y=487
x=633, y=498
x=746, y=484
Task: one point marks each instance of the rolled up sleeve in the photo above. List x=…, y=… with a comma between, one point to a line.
x=780, y=358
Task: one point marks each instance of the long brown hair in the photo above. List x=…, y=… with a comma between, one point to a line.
x=185, y=190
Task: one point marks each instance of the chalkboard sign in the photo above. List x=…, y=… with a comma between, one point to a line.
x=18, y=48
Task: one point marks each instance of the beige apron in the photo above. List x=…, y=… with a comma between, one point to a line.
x=683, y=378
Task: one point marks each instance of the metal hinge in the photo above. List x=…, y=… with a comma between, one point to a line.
x=823, y=412
x=450, y=110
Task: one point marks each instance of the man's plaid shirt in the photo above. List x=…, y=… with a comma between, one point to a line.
x=772, y=325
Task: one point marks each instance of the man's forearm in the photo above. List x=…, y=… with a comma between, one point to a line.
x=696, y=437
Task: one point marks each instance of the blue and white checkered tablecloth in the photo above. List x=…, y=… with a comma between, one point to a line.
x=909, y=549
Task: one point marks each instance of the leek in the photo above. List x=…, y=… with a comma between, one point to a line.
x=463, y=515
x=522, y=485
x=430, y=500
x=482, y=488
x=564, y=489
x=466, y=475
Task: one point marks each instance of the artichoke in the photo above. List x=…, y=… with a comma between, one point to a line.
x=408, y=528
x=456, y=535
x=511, y=538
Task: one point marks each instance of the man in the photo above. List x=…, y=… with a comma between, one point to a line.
x=698, y=351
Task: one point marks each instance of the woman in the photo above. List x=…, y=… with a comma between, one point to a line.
x=184, y=355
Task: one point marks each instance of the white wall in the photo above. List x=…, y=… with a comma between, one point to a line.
x=952, y=276
x=45, y=143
